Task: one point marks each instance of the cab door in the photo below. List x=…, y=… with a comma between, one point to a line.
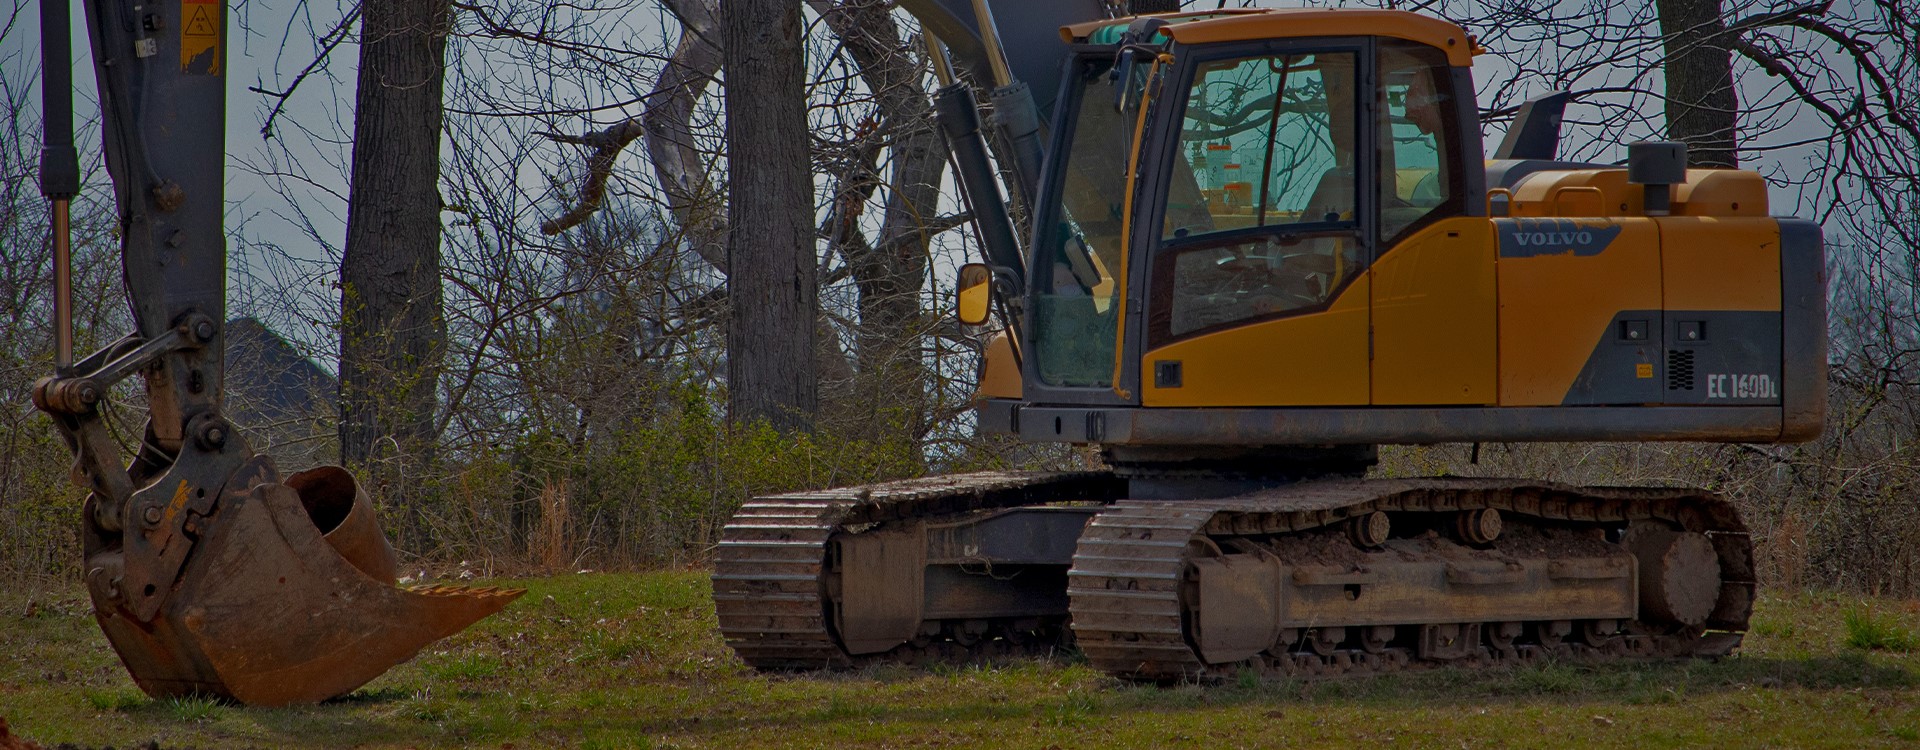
x=1258, y=290
x=1435, y=326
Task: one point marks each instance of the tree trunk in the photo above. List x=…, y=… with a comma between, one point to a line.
x=1702, y=108
x=770, y=259
x=392, y=333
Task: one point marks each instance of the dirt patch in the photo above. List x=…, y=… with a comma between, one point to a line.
x=10, y=742
x=1523, y=539
x=1323, y=546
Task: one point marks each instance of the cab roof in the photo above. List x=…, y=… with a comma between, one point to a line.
x=1287, y=23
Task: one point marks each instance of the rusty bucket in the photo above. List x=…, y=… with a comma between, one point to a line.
x=289, y=597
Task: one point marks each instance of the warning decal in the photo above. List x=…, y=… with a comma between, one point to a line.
x=200, y=36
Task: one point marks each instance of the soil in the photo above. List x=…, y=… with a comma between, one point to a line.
x=10, y=742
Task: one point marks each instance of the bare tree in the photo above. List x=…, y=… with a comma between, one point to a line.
x=889, y=270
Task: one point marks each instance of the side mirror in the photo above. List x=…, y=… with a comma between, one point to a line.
x=976, y=293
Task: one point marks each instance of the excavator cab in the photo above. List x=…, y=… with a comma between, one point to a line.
x=209, y=571
x=1238, y=180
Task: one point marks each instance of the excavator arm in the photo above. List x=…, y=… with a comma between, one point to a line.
x=209, y=573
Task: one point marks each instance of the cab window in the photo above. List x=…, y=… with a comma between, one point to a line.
x=1267, y=141
x=1078, y=256
x=1260, y=216
x=1420, y=174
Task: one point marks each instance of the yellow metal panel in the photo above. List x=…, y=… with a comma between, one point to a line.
x=1555, y=308
x=1606, y=192
x=1578, y=192
x=999, y=372
x=1434, y=317
x=1318, y=359
x=1720, y=264
x=1721, y=192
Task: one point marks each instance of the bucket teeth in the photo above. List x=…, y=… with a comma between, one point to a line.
x=478, y=592
x=269, y=612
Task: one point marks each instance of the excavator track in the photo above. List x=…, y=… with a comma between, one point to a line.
x=771, y=573
x=1135, y=606
x=1135, y=600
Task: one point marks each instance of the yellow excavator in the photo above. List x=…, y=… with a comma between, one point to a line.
x=1260, y=243
x=209, y=572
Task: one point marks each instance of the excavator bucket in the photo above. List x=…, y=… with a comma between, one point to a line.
x=288, y=597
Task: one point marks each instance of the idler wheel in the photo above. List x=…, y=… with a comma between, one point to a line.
x=1679, y=575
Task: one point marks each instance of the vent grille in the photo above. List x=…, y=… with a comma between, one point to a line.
x=1679, y=369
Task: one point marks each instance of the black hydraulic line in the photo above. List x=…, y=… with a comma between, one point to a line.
x=959, y=118
x=1019, y=122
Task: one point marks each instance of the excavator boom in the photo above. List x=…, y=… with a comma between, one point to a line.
x=209, y=573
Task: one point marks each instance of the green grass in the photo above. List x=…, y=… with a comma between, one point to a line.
x=633, y=661
x=192, y=710
x=1868, y=631
x=113, y=699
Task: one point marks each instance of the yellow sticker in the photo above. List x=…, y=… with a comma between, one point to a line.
x=200, y=36
x=179, y=503
x=1643, y=370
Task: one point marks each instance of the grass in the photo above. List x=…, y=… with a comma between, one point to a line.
x=192, y=710
x=1870, y=632
x=633, y=661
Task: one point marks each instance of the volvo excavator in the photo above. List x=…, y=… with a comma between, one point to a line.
x=209, y=571
x=1257, y=245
